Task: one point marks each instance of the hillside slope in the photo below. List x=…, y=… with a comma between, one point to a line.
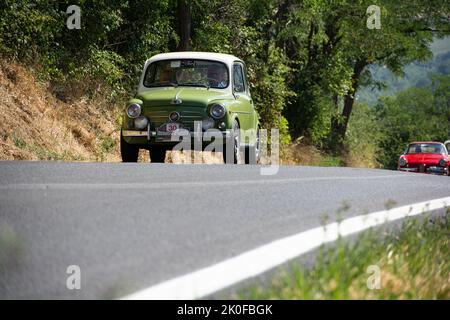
x=35, y=125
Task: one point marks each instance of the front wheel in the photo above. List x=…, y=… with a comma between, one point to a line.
x=129, y=152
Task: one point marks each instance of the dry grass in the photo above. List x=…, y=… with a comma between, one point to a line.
x=298, y=153
x=35, y=125
x=307, y=155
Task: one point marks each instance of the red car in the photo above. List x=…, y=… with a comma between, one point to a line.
x=426, y=157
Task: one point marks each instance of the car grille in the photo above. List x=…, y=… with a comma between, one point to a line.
x=187, y=118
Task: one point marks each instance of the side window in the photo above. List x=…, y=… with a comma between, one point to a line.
x=238, y=76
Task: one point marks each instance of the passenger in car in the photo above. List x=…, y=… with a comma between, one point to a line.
x=165, y=76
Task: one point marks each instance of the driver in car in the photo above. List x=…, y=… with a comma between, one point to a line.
x=217, y=76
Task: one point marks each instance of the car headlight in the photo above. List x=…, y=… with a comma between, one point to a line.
x=217, y=111
x=402, y=162
x=207, y=123
x=442, y=163
x=134, y=110
x=140, y=122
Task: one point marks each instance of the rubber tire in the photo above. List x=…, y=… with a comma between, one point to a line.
x=252, y=154
x=235, y=159
x=157, y=154
x=128, y=151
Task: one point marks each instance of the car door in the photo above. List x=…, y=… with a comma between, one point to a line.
x=246, y=111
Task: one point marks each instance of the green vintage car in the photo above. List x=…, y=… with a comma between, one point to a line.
x=192, y=100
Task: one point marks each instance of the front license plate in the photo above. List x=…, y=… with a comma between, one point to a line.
x=171, y=127
x=166, y=131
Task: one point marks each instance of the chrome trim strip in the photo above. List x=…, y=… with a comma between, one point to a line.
x=187, y=111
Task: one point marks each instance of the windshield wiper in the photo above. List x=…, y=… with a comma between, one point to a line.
x=190, y=84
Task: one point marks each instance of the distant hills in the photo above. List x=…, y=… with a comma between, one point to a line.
x=416, y=74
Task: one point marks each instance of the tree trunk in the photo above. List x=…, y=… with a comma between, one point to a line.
x=280, y=21
x=184, y=18
x=340, y=125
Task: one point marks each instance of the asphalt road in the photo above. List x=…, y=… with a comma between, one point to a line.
x=130, y=226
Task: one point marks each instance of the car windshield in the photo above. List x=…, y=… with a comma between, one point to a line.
x=196, y=73
x=425, y=148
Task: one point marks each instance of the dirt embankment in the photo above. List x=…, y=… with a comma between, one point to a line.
x=35, y=125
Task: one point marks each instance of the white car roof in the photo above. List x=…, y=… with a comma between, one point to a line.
x=228, y=59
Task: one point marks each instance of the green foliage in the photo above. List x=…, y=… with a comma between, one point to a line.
x=269, y=87
x=364, y=136
x=102, y=64
x=114, y=41
x=28, y=27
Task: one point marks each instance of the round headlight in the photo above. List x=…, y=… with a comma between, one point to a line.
x=217, y=111
x=402, y=162
x=140, y=122
x=134, y=110
x=442, y=163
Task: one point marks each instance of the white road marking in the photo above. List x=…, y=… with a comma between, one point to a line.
x=255, y=262
x=182, y=184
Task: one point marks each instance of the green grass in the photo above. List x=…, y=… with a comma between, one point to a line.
x=11, y=248
x=105, y=147
x=19, y=142
x=330, y=161
x=414, y=263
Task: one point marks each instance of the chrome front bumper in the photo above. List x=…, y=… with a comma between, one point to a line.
x=208, y=135
x=430, y=169
x=134, y=133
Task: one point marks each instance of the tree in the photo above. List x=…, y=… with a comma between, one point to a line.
x=184, y=25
